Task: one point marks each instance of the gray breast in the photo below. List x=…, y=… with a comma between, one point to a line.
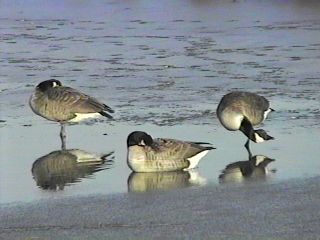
x=49, y=109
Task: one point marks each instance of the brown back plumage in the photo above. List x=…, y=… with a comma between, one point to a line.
x=61, y=103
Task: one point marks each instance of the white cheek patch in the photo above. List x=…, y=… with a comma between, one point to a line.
x=265, y=114
x=54, y=84
x=142, y=143
x=259, y=159
x=258, y=138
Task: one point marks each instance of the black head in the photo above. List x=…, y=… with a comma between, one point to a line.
x=45, y=85
x=261, y=136
x=139, y=138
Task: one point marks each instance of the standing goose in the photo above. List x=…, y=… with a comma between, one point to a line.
x=243, y=110
x=63, y=104
x=156, y=155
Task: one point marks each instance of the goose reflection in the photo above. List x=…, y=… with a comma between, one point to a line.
x=255, y=168
x=63, y=167
x=162, y=181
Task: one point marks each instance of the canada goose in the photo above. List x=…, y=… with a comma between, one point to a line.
x=59, y=168
x=243, y=110
x=254, y=168
x=63, y=104
x=155, y=155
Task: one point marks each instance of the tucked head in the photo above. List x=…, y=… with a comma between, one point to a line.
x=139, y=138
x=261, y=135
x=45, y=85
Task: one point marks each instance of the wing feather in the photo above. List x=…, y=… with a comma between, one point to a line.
x=175, y=149
x=71, y=100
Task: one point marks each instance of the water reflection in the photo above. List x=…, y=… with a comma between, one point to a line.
x=253, y=169
x=63, y=167
x=144, y=182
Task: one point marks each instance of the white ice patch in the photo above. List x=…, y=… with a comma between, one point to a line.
x=82, y=116
x=195, y=159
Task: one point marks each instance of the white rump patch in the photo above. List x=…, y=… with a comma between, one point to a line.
x=196, y=179
x=195, y=159
x=258, y=138
x=82, y=116
x=83, y=156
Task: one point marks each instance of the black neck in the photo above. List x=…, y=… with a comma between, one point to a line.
x=247, y=128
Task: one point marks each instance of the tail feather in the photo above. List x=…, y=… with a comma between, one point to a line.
x=210, y=148
x=108, y=109
x=106, y=115
x=205, y=147
x=105, y=156
x=202, y=143
x=98, y=105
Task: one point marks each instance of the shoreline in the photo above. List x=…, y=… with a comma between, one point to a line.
x=286, y=210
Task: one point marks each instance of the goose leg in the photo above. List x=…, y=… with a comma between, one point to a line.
x=63, y=136
x=247, y=144
x=248, y=148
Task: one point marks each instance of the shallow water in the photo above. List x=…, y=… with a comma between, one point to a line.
x=163, y=67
